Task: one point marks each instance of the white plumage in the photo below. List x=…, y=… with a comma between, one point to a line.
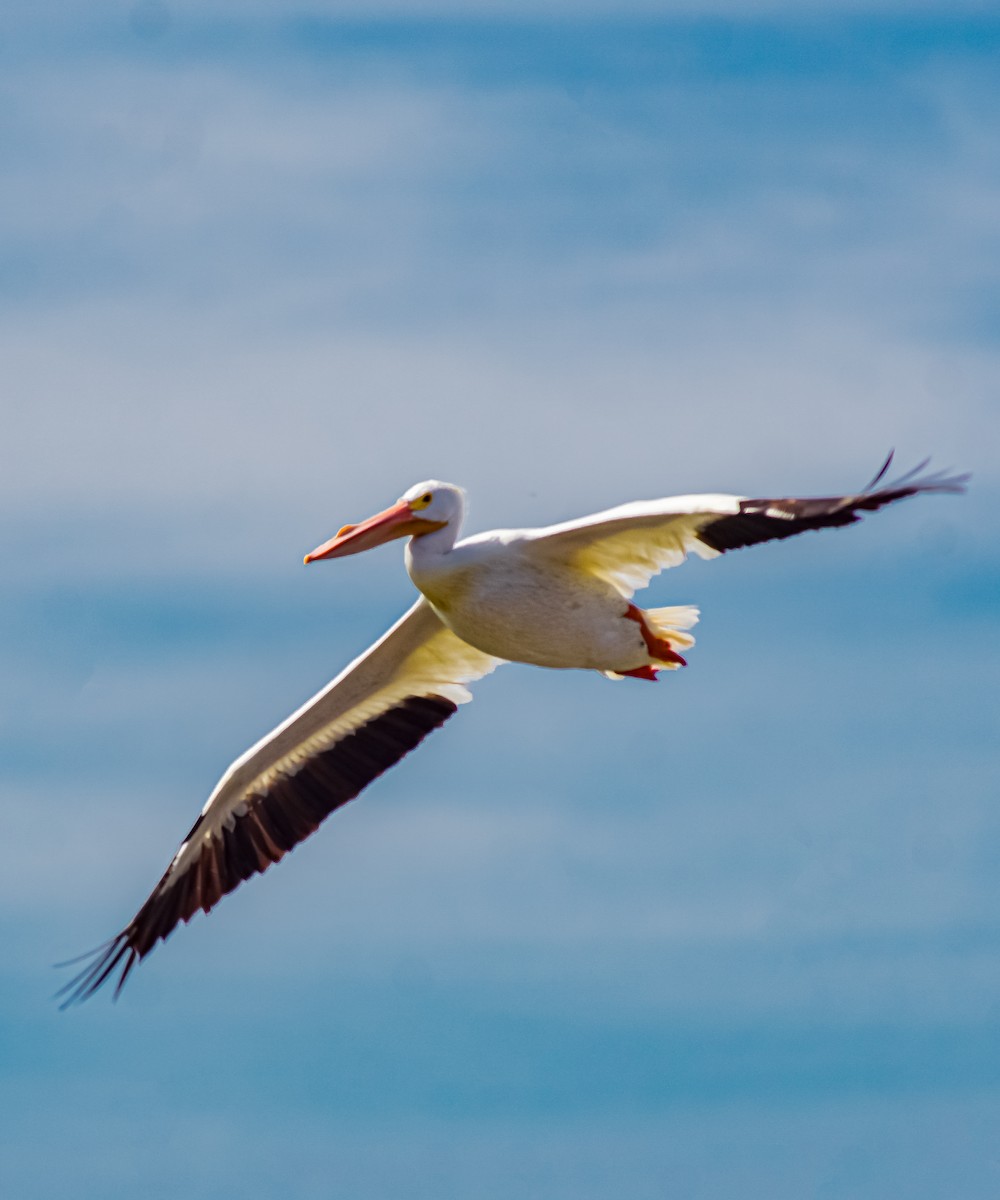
x=558, y=596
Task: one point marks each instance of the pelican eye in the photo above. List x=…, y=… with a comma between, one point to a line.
x=422, y=502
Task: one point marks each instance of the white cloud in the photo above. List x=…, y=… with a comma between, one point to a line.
x=279, y=296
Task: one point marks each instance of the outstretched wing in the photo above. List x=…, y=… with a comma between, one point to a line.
x=375, y=712
x=627, y=546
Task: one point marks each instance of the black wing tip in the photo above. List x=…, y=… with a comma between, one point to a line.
x=103, y=962
x=763, y=520
x=917, y=480
x=378, y=745
x=882, y=471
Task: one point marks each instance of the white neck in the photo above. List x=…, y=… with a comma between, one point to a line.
x=429, y=550
x=427, y=553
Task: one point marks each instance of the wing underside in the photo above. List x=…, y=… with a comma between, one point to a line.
x=627, y=546
x=277, y=794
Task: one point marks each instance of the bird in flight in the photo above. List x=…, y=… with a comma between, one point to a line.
x=558, y=596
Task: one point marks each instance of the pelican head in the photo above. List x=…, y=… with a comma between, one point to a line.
x=424, y=508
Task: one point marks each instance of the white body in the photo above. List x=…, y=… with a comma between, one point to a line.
x=559, y=596
x=498, y=596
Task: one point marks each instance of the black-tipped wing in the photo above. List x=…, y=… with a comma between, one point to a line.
x=375, y=712
x=627, y=546
x=764, y=520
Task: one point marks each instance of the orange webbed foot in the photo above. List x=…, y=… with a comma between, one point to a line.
x=641, y=673
x=658, y=647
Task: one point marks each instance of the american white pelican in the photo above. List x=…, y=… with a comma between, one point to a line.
x=556, y=597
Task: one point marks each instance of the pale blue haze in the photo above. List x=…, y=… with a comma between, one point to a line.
x=264, y=266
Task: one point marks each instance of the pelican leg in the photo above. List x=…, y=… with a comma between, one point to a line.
x=641, y=673
x=658, y=647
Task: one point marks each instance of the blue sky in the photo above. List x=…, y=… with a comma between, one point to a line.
x=261, y=268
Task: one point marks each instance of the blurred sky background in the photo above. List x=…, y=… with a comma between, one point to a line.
x=263, y=266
